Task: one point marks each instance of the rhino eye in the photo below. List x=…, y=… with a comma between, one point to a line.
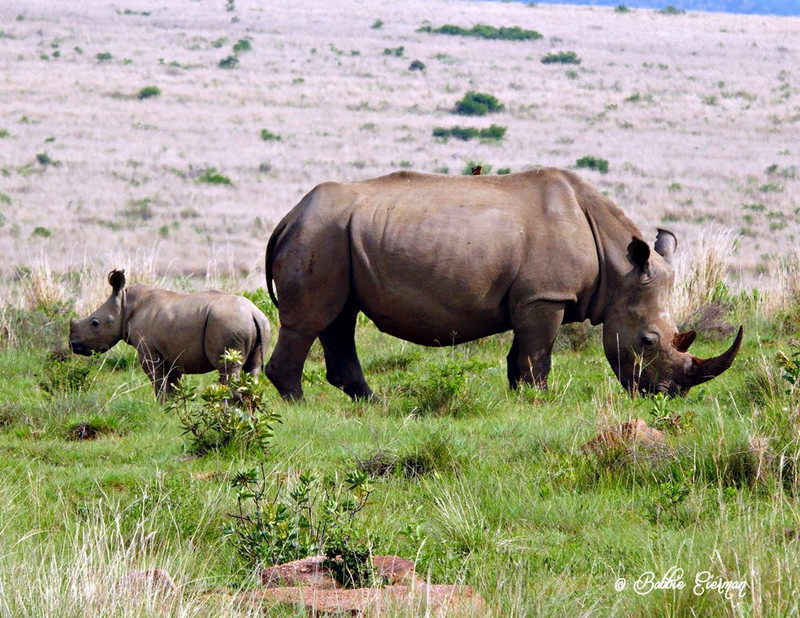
x=95, y=322
x=647, y=341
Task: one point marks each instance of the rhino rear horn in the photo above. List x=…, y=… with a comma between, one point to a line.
x=703, y=370
x=682, y=341
x=666, y=243
x=116, y=278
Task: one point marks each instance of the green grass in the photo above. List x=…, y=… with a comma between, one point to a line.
x=480, y=485
x=483, y=31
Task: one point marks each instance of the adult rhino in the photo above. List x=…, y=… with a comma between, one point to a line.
x=439, y=260
x=175, y=333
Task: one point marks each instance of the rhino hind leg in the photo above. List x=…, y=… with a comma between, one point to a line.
x=341, y=359
x=535, y=327
x=285, y=366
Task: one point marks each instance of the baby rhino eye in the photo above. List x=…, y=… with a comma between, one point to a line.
x=647, y=341
x=95, y=322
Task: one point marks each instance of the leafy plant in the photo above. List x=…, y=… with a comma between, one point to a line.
x=103, y=57
x=275, y=523
x=41, y=232
x=477, y=104
x=220, y=416
x=593, y=163
x=394, y=51
x=148, y=92
x=671, y=9
x=662, y=419
x=416, y=65
x=622, y=8
x=377, y=24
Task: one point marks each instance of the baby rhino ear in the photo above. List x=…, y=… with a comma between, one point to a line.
x=116, y=278
x=666, y=244
x=638, y=253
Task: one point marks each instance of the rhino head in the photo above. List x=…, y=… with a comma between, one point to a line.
x=103, y=328
x=640, y=339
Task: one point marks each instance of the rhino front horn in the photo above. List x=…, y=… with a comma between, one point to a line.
x=703, y=370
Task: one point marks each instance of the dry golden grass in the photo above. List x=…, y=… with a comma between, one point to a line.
x=698, y=116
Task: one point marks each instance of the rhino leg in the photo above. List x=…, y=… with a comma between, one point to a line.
x=163, y=376
x=285, y=366
x=535, y=327
x=341, y=359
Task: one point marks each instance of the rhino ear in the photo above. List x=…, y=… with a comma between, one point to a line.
x=116, y=278
x=639, y=253
x=666, y=242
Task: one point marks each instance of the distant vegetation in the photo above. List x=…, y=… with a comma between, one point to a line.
x=148, y=92
x=477, y=104
x=494, y=132
x=593, y=163
x=562, y=57
x=513, y=33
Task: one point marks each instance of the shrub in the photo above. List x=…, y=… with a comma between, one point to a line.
x=494, y=132
x=276, y=524
x=671, y=10
x=148, y=92
x=593, y=163
x=269, y=136
x=41, y=232
x=505, y=33
x=377, y=24
x=228, y=62
x=477, y=104
x=242, y=45
x=44, y=160
x=393, y=51
x=221, y=416
x=213, y=177
x=416, y=65
x=64, y=374
x=562, y=57
x=622, y=8
x=103, y=57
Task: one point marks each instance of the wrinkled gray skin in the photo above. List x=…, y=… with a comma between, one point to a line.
x=439, y=260
x=175, y=333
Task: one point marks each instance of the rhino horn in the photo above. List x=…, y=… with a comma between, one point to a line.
x=703, y=370
x=682, y=341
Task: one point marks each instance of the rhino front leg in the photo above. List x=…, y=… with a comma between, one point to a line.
x=535, y=327
x=341, y=359
x=159, y=375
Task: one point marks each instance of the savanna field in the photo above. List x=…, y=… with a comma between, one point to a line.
x=169, y=140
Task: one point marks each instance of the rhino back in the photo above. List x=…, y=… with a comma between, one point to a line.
x=438, y=258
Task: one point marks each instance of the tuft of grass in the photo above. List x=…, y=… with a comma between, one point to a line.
x=562, y=57
x=269, y=136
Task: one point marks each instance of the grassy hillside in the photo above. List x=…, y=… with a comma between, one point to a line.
x=745, y=7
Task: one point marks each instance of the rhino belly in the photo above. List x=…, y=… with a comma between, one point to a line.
x=434, y=281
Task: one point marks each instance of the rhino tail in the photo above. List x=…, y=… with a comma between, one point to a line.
x=259, y=350
x=273, y=241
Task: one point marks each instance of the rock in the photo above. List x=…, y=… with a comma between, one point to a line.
x=423, y=599
x=309, y=572
x=626, y=436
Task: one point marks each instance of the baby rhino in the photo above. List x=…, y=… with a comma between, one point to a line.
x=175, y=333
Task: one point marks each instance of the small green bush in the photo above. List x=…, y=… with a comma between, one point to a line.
x=394, y=51
x=377, y=24
x=494, y=132
x=269, y=136
x=477, y=104
x=416, y=65
x=504, y=33
x=148, y=92
x=229, y=62
x=562, y=57
x=671, y=9
x=212, y=177
x=242, y=45
x=41, y=232
x=222, y=416
x=593, y=163
x=64, y=374
x=103, y=57
x=622, y=8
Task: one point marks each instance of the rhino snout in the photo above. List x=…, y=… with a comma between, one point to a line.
x=79, y=348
